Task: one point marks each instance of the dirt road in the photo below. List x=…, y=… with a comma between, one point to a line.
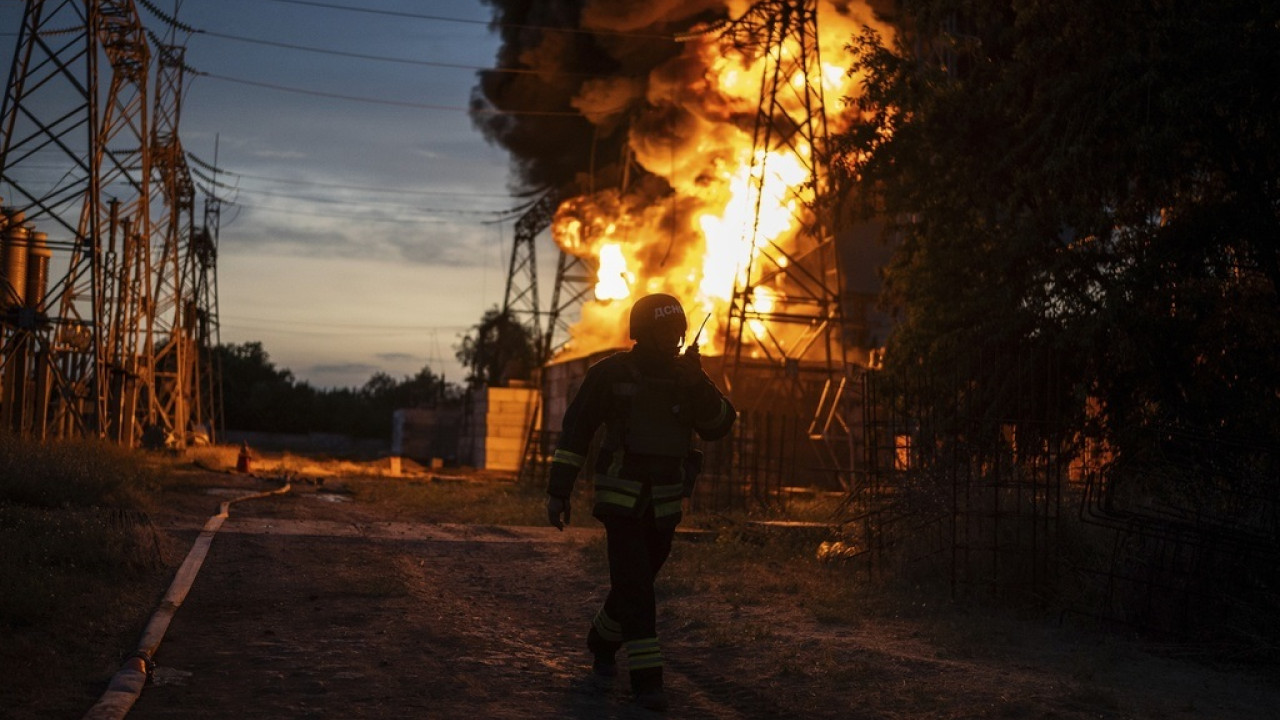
x=300, y=617
x=308, y=607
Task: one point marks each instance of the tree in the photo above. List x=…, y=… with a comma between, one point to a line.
x=497, y=349
x=1099, y=184
x=261, y=397
x=257, y=395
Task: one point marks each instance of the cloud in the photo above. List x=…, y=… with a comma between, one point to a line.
x=314, y=230
x=399, y=357
x=351, y=374
x=279, y=154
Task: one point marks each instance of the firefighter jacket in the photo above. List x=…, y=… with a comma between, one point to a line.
x=650, y=418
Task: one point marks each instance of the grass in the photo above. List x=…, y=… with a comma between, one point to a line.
x=70, y=512
x=748, y=570
x=78, y=473
x=81, y=564
x=484, y=502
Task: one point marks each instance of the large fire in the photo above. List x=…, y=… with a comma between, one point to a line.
x=701, y=240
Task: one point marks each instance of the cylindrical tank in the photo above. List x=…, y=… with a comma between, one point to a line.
x=38, y=256
x=13, y=263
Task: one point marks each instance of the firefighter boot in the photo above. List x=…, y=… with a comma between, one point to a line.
x=646, y=683
x=604, y=664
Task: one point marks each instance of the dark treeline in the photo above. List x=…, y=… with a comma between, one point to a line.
x=1098, y=184
x=1084, y=201
x=258, y=396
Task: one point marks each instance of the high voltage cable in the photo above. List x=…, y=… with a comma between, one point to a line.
x=276, y=328
x=384, y=206
x=349, y=216
x=343, y=53
x=385, y=58
x=203, y=176
x=166, y=18
x=384, y=101
x=353, y=326
x=370, y=188
x=487, y=23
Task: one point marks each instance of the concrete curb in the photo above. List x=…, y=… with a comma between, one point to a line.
x=127, y=684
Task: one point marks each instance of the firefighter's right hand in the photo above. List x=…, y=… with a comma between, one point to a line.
x=688, y=367
x=557, y=507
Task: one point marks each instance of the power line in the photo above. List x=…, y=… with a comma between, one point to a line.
x=353, y=326
x=394, y=103
x=278, y=329
x=487, y=23
x=348, y=216
x=387, y=206
x=386, y=58
x=165, y=17
x=370, y=188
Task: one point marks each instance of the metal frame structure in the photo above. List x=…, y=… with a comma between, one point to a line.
x=521, y=298
x=801, y=330
x=105, y=350
x=575, y=282
x=175, y=358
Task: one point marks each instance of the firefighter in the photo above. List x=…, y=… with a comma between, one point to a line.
x=651, y=400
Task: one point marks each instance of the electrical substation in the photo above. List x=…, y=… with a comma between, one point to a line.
x=109, y=259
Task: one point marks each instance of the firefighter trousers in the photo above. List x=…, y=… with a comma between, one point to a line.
x=637, y=549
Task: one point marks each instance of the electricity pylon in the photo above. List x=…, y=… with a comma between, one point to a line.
x=574, y=281
x=521, y=297
x=176, y=388
x=108, y=344
x=786, y=308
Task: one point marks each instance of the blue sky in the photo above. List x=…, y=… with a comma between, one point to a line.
x=363, y=236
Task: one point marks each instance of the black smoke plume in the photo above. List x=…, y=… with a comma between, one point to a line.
x=573, y=76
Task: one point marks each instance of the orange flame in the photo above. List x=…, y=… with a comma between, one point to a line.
x=705, y=239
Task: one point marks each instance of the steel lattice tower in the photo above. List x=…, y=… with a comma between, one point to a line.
x=57, y=111
x=176, y=389
x=574, y=281
x=786, y=308
x=107, y=349
x=204, y=257
x=521, y=297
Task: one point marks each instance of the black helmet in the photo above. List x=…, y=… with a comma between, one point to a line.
x=656, y=310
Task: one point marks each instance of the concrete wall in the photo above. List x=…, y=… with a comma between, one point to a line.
x=497, y=426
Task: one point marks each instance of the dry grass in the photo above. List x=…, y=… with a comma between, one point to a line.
x=223, y=458
x=70, y=511
x=461, y=498
x=80, y=563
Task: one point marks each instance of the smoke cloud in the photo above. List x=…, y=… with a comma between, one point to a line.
x=645, y=136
